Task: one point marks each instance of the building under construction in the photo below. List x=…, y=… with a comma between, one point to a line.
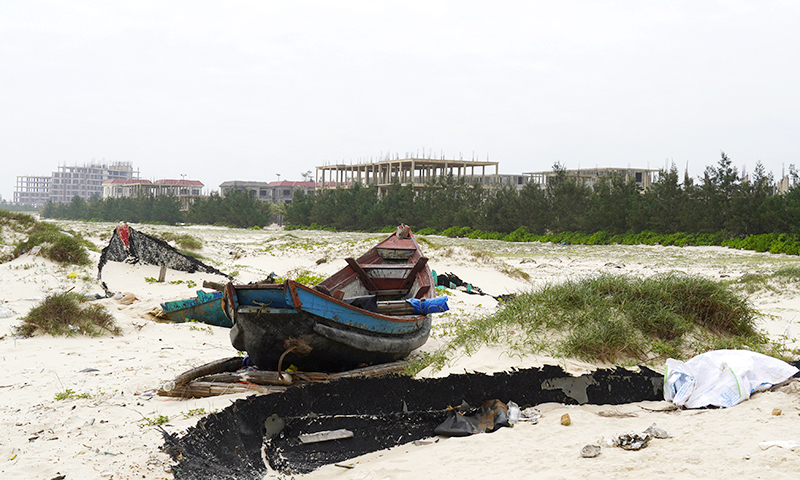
x=70, y=181
x=414, y=171
x=642, y=177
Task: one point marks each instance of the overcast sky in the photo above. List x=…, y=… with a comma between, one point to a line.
x=247, y=90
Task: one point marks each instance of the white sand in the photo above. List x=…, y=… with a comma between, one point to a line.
x=101, y=436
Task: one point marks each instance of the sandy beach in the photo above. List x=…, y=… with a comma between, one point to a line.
x=104, y=429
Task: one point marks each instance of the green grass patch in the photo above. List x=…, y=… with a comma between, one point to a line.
x=55, y=244
x=67, y=314
x=69, y=394
x=614, y=319
x=153, y=422
x=183, y=240
x=306, y=277
x=754, y=282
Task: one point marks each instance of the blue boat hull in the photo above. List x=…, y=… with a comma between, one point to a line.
x=205, y=308
x=355, y=317
x=340, y=336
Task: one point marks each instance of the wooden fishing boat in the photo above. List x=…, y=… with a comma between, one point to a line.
x=205, y=307
x=374, y=310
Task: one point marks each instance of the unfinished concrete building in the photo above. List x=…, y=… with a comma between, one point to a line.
x=86, y=181
x=414, y=171
x=32, y=190
x=184, y=190
x=642, y=177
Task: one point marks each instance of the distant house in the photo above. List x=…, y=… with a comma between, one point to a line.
x=276, y=192
x=184, y=190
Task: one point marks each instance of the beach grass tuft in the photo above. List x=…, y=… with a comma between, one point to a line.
x=66, y=314
x=183, y=240
x=615, y=319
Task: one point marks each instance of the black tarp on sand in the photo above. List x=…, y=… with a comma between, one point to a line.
x=381, y=412
x=134, y=246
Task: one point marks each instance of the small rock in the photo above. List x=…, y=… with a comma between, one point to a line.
x=590, y=451
x=565, y=420
x=776, y=411
x=657, y=432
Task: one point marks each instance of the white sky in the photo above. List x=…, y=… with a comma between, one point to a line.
x=239, y=90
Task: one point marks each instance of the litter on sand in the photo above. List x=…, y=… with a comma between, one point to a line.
x=722, y=378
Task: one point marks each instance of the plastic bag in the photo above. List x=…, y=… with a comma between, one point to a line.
x=433, y=305
x=722, y=377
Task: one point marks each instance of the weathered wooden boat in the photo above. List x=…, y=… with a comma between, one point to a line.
x=205, y=307
x=374, y=310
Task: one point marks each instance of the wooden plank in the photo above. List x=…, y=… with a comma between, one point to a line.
x=325, y=436
x=395, y=307
x=212, y=389
x=221, y=383
x=259, y=377
x=386, y=266
x=372, y=371
x=220, y=287
x=362, y=275
x=414, y=271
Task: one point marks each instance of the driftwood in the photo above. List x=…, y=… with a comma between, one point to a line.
x=220, y=287
x=230, y=364
x=220, y=377
x=258, y=377
x=372, y=371
x=211, y=389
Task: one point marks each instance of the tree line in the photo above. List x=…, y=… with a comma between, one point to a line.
x=721, y=201
x=236, y=209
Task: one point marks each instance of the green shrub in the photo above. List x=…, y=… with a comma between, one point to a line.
x=616, y=319
x=67, y=314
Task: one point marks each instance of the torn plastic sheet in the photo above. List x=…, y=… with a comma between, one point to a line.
x=722, y=378
x=132, y=246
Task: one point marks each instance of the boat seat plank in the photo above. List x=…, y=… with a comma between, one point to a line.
x=387, y=266
x=422, y=291
x=413, y=273
x=366, y=280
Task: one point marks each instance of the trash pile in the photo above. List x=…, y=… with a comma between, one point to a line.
x=451, y=280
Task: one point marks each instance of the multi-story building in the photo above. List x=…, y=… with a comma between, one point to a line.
x=415, y=171
x=184, y=190
x=642, y=177
x=86, y=181
x=33, y=190
x=276, y=192
x=69, y=181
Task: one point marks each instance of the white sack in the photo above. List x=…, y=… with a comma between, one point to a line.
x=722, y=377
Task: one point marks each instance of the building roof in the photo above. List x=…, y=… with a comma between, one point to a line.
x=287, y=183
x=182, y=183
x=126, y=181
